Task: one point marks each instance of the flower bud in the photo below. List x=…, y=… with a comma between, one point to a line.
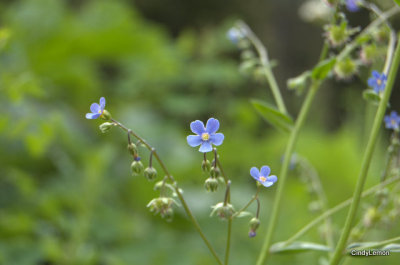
x=132, y=149
x=345, y=69
x=211, y=184
x=368, y=53
x=298, y=82
x=106, y=115
x=206, y=165
x=150, y=173
x=371, y=217
x=106, y=126
x=356, y=234
x=224, y=212
x=254, y=223
x=214, y=172
x=137, y=167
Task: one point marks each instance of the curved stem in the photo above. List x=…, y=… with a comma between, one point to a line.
x=367, y=158
x=337, y=208
x=248, y=204
x=284, y=170
x=262, y=52
x=177, y=191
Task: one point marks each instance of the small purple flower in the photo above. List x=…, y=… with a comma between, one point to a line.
x=392, y=121
x=205, y=136
x=353, y=5
x=262, y=176
x=96, y=109
x=377, y=81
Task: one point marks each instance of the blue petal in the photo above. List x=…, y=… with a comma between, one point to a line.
x=376, y=74
x=265, y=170
x=272, y=178
x=212, y=125
x=267, y=183
x=102, y=103
x=95, y=108
x=217, y=139
x=255, y=173
x=371, y=82
x=194, y=140
x=205, y=147
x=387, y=119
x=92, y=116
x=197, y=127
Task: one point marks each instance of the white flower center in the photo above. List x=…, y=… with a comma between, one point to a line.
x=263, y=179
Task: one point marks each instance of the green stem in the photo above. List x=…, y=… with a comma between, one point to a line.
x=248, y=204
x=262, y=53
x=180, y=196
x=367, y=158
x=284, y=169
x=229, y=229
x=337, y=208
x=378, y=244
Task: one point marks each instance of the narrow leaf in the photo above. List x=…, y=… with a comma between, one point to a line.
x=298, y=247
x=273, y=116
x=323, y=68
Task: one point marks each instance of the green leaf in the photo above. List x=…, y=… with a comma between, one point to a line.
x=392, y=247
x=397, y=2
x=273, y=116
x=299, y=246
x=323, y=68
x=371, y=95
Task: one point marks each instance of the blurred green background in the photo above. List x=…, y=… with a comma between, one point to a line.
x=66, y=193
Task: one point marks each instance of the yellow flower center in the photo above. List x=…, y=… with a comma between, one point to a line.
x=263, y=179
x=379, y=82
x=100, y=111
x=393, y=122
x=205, y=136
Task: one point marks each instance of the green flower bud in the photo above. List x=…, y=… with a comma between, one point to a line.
x=106, y=115
x=339, y=34
x=206, y=165
x=254, y=223
x=345, y=69
x=368, y=53
x=211, y=184
x=215, y=172
x=356, y=234
x=224, y=212
x=137, y=167
x=150, y=173
x=247, y=54
x=168, y=214
x=371, y=217
x=132, y=149
x=106, y=126
x=299, y=82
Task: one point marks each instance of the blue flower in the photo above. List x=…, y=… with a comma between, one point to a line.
x=353, y=5
x=377, y=81
x=392, y=121
x=96, y=109
x=235, y=35
x=205, y=136
x=262, y=176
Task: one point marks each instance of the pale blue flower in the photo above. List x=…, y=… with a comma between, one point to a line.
x=96, y=109
x=263, y=176
x=205, y=135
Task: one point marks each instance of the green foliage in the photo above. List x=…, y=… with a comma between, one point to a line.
x=323, y=68
x=273, y=116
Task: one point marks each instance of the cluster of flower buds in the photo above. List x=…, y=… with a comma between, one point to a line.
x=223, y=210
x=339, y=34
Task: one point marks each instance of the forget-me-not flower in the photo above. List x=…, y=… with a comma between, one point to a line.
x=377, y=82
x=353, y=5
x=205, y=135
x=262, y=176
x=392, y=121
x=96, y=109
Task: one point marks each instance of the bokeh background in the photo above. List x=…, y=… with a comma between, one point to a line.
x=66, y=192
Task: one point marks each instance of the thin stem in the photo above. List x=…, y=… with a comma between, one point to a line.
x=248, y=204
x=258, y=208
x=262, y=52
x=177, y=191
x=284, y=170
x=227, y=193
x=228, y=241
x=337, y=208
x=378, y=244
x=367, y=158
